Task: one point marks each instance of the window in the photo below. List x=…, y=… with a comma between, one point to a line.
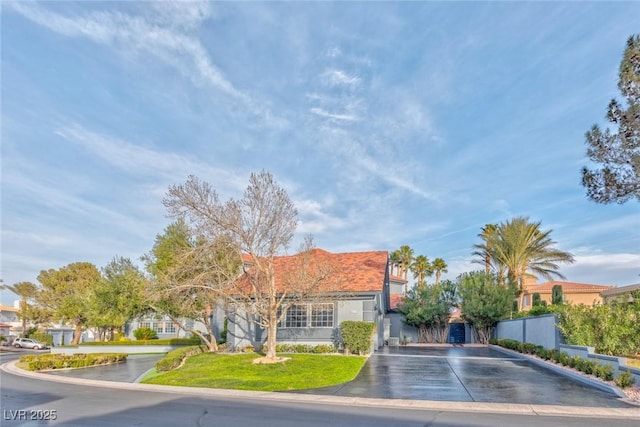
x=322, y=316
x=169, y=328
x=158, y=327
x=308, y=315
x=296, y=317
x=145, y=325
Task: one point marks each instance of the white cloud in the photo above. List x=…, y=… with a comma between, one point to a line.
x=138, y=160
x=165, y=39
x=340, y=117
x=135, y=33
x=604, y=268
x=314, y=219
x=340, y=78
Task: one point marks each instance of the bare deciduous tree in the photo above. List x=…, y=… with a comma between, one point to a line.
x=259, y=228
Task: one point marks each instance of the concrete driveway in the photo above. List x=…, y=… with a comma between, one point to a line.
x=466, y=374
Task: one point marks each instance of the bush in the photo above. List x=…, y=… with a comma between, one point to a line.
x=625, y=379
x=356, y=336
x=174, y=358
x=145, y=334
x=42, y=337
x=604, y=371
x=163, y=341
x=62, y=361
x=305, y=348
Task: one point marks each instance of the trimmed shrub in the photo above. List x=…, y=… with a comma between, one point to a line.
x=42, y=337
x=604, y=371
x=63, y=361
x=625, y=379
x=356, y=336
x=305, y=348
x=163, y=341
x=145, y=334
x=174, y=358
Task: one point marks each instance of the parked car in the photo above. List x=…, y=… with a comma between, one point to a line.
x=29, y=343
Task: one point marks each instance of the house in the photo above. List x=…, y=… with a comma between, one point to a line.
x=572, y=292
x=620, y=292
x=166, y=328
x=363, y=295
x=10, y=318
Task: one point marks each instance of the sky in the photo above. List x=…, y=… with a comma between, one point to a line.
x=389, y=124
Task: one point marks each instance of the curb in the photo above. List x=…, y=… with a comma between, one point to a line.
x=428, y=405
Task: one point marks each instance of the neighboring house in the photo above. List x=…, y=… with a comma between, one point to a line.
x=10, y=316
x=572, y=292
x=363, y=296
x=620, y=292
x=164, y=327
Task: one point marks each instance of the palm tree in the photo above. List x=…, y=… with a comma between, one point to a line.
x=394, y=261
x=483, y=250
x=405, y=254
x=521, y=247
x=26, y=291
x=421, y=267
x=439, y=266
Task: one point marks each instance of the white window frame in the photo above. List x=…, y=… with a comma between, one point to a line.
x=308, y=315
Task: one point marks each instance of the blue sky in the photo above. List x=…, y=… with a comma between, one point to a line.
x=388, y=123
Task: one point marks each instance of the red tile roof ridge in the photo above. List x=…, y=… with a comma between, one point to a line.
x=571, y=286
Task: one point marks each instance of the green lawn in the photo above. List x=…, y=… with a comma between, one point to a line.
x=232, y=371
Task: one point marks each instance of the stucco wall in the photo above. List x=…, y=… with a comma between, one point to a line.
x=539, y=330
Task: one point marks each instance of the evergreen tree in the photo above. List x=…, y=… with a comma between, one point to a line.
x=618, y=180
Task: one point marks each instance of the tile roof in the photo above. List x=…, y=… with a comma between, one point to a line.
x=567, y=287
x=351, y=271
x=395, y=300
x=398, y=279
x=619, y=290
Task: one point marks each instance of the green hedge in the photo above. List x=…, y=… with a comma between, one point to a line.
x=35, y=362
x=305, y=348
x=174, y=358
x=589, y=367
x=42, y=337
x=356, y=336
x=164, y=341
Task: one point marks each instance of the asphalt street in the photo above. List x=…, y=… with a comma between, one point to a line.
x=84, y=405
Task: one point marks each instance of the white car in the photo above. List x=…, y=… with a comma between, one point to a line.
x=29, y=343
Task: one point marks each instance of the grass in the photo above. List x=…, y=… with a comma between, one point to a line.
x=229, y=371
x=634, y=363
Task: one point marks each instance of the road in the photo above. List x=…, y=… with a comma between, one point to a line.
x=80, y=405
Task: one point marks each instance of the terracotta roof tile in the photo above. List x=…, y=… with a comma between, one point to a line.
x=567, y=287
x=353, y=271
x=395, y=300
x=398, y=279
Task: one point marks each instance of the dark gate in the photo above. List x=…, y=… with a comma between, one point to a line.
x=456, y=333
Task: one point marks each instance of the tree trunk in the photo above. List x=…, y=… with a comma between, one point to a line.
x=23, y=314
x=77, y=334
x=271, y=335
